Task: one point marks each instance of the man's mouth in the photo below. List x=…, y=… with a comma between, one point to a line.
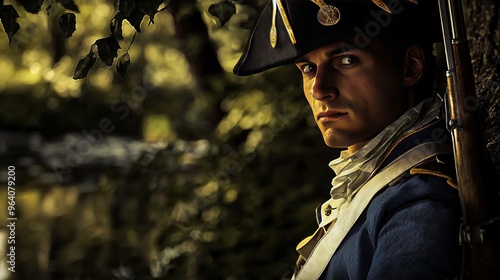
x=330, y=115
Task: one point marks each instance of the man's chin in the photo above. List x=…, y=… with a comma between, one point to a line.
x=334, y=144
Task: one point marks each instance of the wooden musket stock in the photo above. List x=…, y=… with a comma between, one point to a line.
x=481, y=255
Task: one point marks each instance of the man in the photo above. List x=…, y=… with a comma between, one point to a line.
x=367, y=69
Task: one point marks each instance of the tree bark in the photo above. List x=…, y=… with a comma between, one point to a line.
x=483, y=28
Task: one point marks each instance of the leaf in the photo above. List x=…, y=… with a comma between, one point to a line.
x=223, y=11
x=108, y=49
x=69, y=4
x=122, y=65
x=67, y=22
x=135, y=18
x=85, y=64
x=115, y=26
x=125, y=7
x=8, y=16
x=31, y=6
x=149, y=8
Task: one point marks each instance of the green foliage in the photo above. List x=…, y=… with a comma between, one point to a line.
x=67, y=22
x=122, y=65
x=31, y=6
x=115, y=26
x=229, y=202
x=223, y=11
x=108, y=49
x=86, y=63
x=134, y=11
x=8, y=16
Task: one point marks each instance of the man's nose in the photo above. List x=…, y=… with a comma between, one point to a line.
x=323, y=87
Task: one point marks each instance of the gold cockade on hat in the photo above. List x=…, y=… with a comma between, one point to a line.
x=328, y=15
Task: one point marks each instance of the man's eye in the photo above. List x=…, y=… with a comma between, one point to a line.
x=347, y=60
x=307, y=68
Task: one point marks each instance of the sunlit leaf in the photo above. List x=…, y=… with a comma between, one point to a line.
x=115, y=26
x=69, y=4
x=85, y=64
x=149, y=8
x=223, y=11
x=67, y=22
x=126, y=7
x=108, y=49
x=31, y=6
x=135, y=18
x=122, y=65
x=8, y=16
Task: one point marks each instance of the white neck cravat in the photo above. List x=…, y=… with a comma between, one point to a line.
x=354, y=170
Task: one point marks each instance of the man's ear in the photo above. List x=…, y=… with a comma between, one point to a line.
x=413, y=65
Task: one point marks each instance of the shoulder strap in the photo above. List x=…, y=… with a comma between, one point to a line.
x=326, y=247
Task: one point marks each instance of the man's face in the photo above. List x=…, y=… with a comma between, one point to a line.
x=353, y=93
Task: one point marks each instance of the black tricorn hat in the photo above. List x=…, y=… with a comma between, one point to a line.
x=304, y=25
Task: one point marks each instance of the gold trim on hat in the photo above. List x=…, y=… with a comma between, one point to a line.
x=273, y=33
x=382, y=5
x=288, y=27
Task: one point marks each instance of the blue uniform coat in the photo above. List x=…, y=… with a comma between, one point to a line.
x=409, y=230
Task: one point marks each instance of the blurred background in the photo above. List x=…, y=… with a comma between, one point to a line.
x=180, y=171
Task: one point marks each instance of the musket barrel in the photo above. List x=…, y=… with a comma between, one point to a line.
x=446, y=28
x=457, y=19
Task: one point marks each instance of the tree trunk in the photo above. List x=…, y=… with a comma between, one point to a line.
x=483, y=30
x=194, y=40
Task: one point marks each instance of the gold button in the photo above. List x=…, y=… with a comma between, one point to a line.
x=328, y=210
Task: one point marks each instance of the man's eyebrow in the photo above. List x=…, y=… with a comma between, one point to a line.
x=342, y=48
x=301, y=59
x=336, y=51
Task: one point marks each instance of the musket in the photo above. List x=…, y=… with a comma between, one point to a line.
x=481, y=253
